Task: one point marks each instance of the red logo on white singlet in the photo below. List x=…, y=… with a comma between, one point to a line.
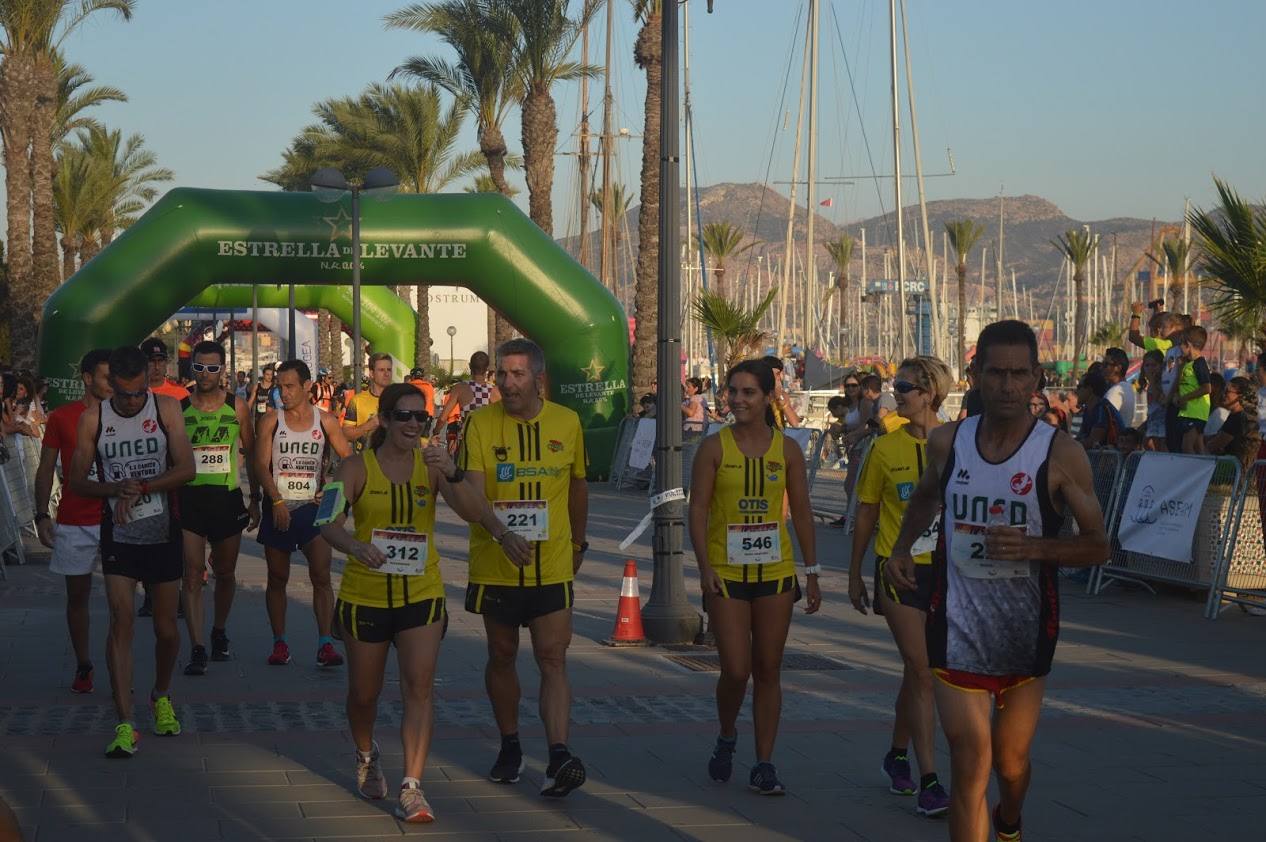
x=316, y=433
x=149, y=425
x=1022, y=483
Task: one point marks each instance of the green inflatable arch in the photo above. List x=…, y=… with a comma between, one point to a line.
x=192, y=239
x=386, y=321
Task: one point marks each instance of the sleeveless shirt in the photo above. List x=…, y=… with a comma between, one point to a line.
x=747, y=537
x=135, y=448
x=213, y=436
x=298, y=460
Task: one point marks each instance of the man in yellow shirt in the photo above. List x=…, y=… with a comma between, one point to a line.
x=361, y=417
x=527, y=456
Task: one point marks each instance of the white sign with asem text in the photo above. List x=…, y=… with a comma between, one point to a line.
x=1163, y=505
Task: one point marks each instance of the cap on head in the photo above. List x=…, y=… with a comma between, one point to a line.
x=417, y=373
x=154, y=349
x=323, y=371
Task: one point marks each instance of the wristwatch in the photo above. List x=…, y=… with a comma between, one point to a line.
x=457, y=475
x=813, y=570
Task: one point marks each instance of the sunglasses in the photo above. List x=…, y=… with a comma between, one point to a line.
x=905, y=387
x=402, y=415
x=213, y=368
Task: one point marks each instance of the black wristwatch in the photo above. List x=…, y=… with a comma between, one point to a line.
x=457, y=475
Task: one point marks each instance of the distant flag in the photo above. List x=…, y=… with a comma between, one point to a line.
x=827, y=203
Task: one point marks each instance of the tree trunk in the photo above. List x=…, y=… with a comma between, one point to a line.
x=336, y=346
x=16, y=94
x=68, y=257
x=88, y=250
x=647, y=53
x=540, y=135
x=1079, y=318
x=422, y=327
x=493, y=146
x=323, y=339
x=962, y=318
x=45, y=264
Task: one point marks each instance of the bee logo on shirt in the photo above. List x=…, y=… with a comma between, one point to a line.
x=502, y=454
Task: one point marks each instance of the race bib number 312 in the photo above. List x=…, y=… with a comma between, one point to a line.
x=405, y=551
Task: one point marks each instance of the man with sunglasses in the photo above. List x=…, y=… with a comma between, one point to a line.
x=137, y=440
x=219, y=428
x=290, y=462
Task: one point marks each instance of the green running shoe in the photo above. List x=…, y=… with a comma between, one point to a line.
x=124, y=744
x=165, y=722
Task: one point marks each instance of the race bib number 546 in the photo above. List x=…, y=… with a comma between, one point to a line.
x=752, y=543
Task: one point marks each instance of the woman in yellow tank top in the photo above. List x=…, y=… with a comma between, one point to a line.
x=392, y=591
x=746, y=566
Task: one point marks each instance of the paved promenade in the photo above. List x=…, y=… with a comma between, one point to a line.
x=1154, y=729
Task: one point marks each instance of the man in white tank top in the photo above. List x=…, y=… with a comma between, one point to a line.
x=137, y=441
x=290, y=460
x=994, y=616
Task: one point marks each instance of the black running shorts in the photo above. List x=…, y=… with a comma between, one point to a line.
x=212, y=511
x=148, y=563
x=920, y=597
x=381, y=625
x=515, y=605
x=748, y=591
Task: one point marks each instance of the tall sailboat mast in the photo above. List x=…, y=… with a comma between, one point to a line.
x=811, y=261
x=584, y=149
x=896, y=155
x=605, y=255
x=785, y=292
x=938, y=347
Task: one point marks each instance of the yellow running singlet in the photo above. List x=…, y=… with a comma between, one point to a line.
x=748, y=493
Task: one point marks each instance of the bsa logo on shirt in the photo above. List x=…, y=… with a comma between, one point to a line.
x=1021, y=483
x=555, y=445
x=905, y=490
x=505, y=472
x=149, y=425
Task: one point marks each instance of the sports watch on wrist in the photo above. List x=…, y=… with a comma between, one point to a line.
x=457, y=475
x=813, y=570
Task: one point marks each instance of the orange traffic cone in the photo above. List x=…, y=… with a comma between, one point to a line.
x=628, y=619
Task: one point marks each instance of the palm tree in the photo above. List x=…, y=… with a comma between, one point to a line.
x=1176, y=253
x=721, y=241
x=483, y=183
x=841, y=254
x=1232, y=241
x=76, y=199
x=545, y=38
x=963, y=235
x=75, y=95
x=648, y=54
x=735, y=329
x=1078, y=246
x=484, y=78
x=33, y=33
x=129, y=174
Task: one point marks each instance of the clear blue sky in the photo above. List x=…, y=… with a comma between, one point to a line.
x=1106, y=108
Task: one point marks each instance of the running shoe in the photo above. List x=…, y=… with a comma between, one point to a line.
x=369, y=777
x=563, y=776
x=897, y=768
x=123, y=745
x=220, y=647
x=328, y=656
x=281, y=654
x=508, y=767
x=721, y=763
x=83, y=680
x=165, y=722
x=933, y=800
x=413, y=806
x=765, y=781
x=197, y=661
x=1005, y=836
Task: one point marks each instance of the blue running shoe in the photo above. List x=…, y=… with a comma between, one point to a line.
x=721, y=763
x=765, y=781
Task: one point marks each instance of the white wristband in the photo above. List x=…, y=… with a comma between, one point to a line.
x=813, y=570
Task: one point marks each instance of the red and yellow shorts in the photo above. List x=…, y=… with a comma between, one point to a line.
x=994, y=685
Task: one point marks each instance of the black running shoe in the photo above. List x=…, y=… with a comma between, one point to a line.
x=220, y=647
x=197, y=661
x=507, y=768
x=765, y=781
x=563, y=776
x=721, y=763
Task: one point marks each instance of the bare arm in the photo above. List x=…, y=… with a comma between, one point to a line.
x=702, y=481
x=578, y=515
x=789, y=416
x=179, y=451
x=81, y=462
x=264, y=456
x=351, y=472
x=864, y=520
x=334, y=434
x=449, y=400
x=44, y=479
x=923, y=507
x=798, y=497
x=247, y=435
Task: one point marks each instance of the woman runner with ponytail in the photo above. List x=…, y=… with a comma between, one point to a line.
x=391, y=590
x=746, y=566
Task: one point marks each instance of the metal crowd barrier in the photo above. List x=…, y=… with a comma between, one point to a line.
x=621, y=473
x=1105, y=470
x=1216, y=522
x=17, y=486
x=1240, y=574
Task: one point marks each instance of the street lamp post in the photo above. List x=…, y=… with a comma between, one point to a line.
x=668, y=617
x=378, y=179
x=452, y=331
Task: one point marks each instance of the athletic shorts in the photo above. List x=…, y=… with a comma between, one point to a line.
x=212, y=511
x=920, y=597
x=748, y=591
x=974, y=682
x=512, y=605
x=381, y=625
x=148, y=563
x=302, y=530
x=74, y=549
x=1185, y=424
